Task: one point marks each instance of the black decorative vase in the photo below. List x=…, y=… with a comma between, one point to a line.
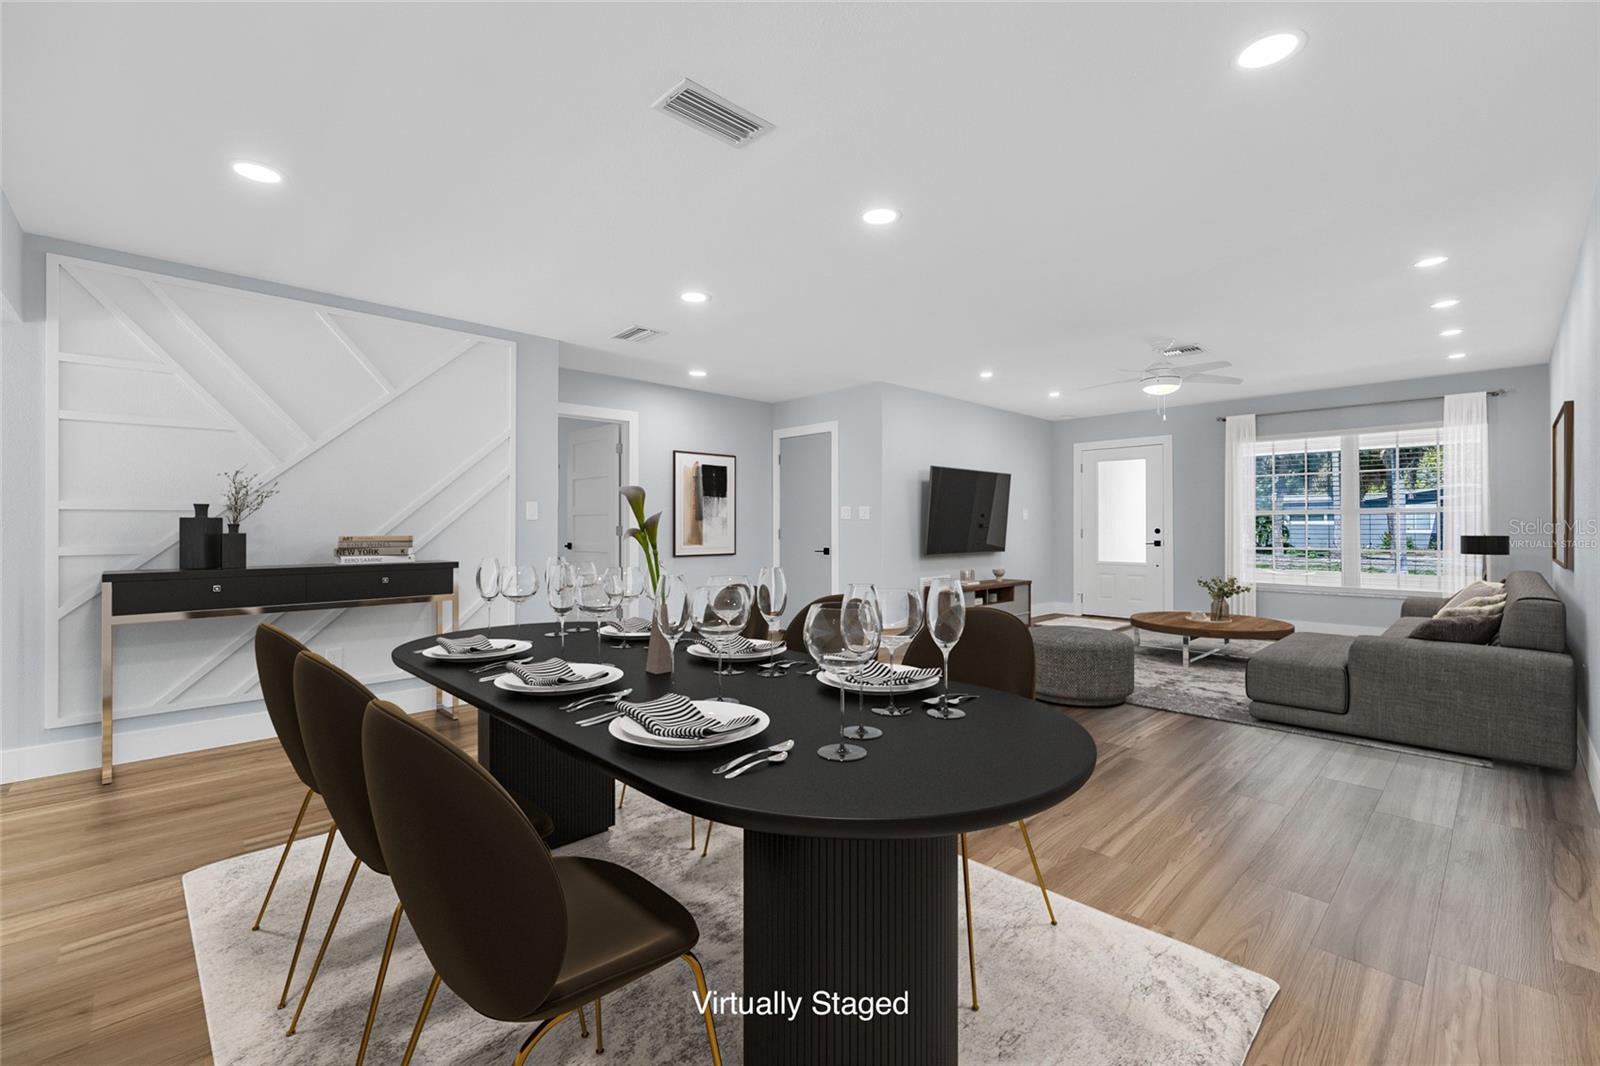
x=230, y=547
x=196, y=550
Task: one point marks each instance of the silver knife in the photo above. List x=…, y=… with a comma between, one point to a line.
x=784, y=745
x=590, y=701
x=597, y=719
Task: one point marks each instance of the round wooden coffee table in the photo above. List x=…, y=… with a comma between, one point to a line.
x=1239, y=627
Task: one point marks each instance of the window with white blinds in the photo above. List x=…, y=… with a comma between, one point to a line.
x=1359, y=510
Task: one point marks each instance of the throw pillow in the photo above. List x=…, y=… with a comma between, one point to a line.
x=1475, y=590
x=1478, y=606
x=1459, y=629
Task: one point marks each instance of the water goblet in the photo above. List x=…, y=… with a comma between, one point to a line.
x=489, y=583
x=947, y=617
x=772, y=596
x=518, y=583
x=900, y=619
x=561, y=593
x=827, y=644
x=862, y=596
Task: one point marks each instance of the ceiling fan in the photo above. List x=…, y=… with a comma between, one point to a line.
x=1166, y=376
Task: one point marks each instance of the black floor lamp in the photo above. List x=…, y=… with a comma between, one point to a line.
x=1485, y=546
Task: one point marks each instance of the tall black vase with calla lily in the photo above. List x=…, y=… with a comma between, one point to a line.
x=644, y=533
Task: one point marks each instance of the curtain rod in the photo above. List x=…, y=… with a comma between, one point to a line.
x=1345, y=406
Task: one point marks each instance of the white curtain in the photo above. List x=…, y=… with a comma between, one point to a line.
x=1239, y=516
x=1465, y=442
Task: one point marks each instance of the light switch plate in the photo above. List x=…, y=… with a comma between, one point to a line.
x=863, y=512
x=844, y=512
x=1024, y=514
x=530, y=510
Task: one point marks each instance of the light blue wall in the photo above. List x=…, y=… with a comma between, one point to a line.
x=10, y=254
x=922, y=430
x=1518, y=475
x=859, y=413
x=690, y=420
x=1575, y=376
x=22, y=467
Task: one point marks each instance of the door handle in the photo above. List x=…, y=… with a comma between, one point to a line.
x=568, y=545
x=822, y=551
x=1147, y=544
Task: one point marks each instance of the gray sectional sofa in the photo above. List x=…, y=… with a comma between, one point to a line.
x=1513, y=699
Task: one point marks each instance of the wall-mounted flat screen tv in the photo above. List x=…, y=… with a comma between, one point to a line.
x=966, y=511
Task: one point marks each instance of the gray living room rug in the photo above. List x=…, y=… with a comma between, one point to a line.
x=1213, y=687
x=1093, y=989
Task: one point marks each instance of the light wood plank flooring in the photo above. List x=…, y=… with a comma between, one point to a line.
x=1412, y=910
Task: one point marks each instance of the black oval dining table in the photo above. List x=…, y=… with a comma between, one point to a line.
x=850, y=869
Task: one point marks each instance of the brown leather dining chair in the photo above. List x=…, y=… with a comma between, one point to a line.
x=330, y=705
x=518, y=934
x=275, y=655
x=995, y=651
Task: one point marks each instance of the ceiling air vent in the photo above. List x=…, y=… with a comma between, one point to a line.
x=705, y=110
x=1182, y=349
x=637, y=334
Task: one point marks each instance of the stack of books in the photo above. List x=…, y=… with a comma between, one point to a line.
x=385, y=548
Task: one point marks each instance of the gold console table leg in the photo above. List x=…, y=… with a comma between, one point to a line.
x=105, y=682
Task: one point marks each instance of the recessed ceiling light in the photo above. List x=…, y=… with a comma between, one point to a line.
x=697, y=373
x=1440, y=305
x=1449, y=333
x=986, y=374
x=1457, y=355
x=880, y=216
x=1430, y=261
x=1273, y=48
x=256, y=172
x=693, y=297
x=1055, y=394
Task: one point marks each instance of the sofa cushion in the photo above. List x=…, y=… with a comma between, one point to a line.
x=1403, y=627
x=1535, y=618
x=1458, y=629
x=1302, y=670
x=1477, y=590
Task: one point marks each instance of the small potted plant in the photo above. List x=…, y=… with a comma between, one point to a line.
x=1221, y=589
x=242, y=499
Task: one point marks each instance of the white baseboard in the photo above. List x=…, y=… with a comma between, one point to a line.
x=137, y=745
x=1590, y=757
x=1055, y=607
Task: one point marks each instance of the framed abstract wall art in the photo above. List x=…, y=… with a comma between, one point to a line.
x=704, y=502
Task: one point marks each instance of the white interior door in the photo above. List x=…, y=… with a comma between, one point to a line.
x=1122, y=496
x=594, y=481
x=805, y=516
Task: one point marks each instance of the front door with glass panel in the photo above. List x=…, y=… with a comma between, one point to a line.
x=1123, y=529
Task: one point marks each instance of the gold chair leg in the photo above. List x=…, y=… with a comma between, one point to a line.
x=377, y=989
x=538, y=1035
x=294, y=960
x=1037, y=875
x=709, y=826
x=416, y=1030
x=583, y=1023
x=700, y=986
x=599, y=1031
x=972, y=957
x=311, y=979
x=294, y=831
x=623, y=797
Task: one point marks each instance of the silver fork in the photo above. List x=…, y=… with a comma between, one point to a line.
x=590, y=701
x=597, y=719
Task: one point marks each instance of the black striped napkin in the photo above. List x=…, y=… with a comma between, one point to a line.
x=549, y=673
x=677, y=718
x=737, y=645
x=884, y=674
x=462, y=645
x=631, y=625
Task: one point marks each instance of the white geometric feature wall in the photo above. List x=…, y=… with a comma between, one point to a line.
x=368, y=424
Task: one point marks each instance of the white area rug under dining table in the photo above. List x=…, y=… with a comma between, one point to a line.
x=1093, y=989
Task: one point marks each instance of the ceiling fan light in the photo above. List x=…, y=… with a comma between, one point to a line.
x=1161, y=384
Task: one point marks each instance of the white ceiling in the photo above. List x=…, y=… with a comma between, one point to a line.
x=1073, y=179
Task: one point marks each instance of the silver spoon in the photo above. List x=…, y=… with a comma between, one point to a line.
x=731, y=763
x=777, y=756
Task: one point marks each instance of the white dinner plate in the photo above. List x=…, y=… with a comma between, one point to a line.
x=608, y=674
x=628, y=731
x=504, y=648
x=833, y=681
x=700, y=651
x=609, y=630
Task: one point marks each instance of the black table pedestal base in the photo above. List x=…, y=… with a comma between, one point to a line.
x=857, y=918
x=578, y=795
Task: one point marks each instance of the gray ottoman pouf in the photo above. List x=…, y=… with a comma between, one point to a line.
x=1082, y=667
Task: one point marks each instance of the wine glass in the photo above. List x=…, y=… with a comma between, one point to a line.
x=674, y=610
x=720, y=611
x=900, y=620
x=632, y=582
x=518, y=583
x=561, y=592
x=611, y=585
x=827, y=642
x=947, y=617
x=772, y=596
x=726, y=605
x=594, y=602
x=489, y=582
x=863, y=595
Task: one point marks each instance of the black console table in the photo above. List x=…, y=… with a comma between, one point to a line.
x=138, y=596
